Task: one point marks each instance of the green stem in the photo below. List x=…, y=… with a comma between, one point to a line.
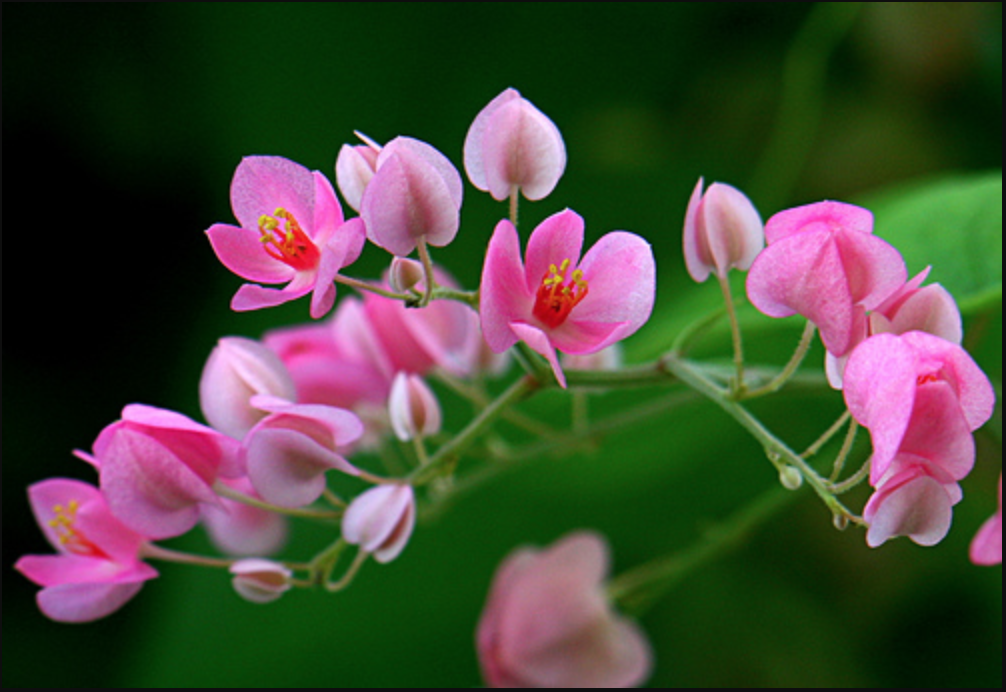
x=347, y=579
x=816, y=448
x=791, y=368
x=778, y=452
x=843, y=454
x=639, y=589
x=430, y=281
x=450, y=454
x=155, y=552
x=364, y=287
x=480, y=399
x=735, y=329
x=317, y=515
x=514, y=206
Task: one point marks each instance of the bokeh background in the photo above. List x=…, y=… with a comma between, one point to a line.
x=123, y=123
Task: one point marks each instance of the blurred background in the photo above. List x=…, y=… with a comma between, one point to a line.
x=123, y=123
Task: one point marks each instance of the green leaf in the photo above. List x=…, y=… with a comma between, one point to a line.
x=953, y=224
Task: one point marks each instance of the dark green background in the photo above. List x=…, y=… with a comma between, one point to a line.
x=122, y=128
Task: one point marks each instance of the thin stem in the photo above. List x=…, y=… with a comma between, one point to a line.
x=779, y=453
x=791, y=368
x=419, y=445
x=695, y=331
x=469, y=298
x=823, y=441
x=854, y=481
x=364, y=287
x=317, y=515
x=515, y=206
x=347, y=579
x=532, y=363
x=430, y=281
x=480, y=399
x=639, y=589
x=735, y=329
x=449, y=455
x=155, y=552
x=334, y=500
x=843, y=454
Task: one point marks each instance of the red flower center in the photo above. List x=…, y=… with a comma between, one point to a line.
x=290, y=245
x=557, y=298
x=71, y=537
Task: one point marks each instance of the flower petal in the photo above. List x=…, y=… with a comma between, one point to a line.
x=242, y=252
x=264, y=183
x=252, y=297
x=540, y=343
x=621, y=275
x=474, y=150
x=557, y=239
x=920, y=509
x=506, y=297
x=287, y=467
x=78, y=604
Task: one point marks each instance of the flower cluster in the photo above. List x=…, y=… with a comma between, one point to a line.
x=297, y=420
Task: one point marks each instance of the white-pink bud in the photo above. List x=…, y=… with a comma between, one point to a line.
x=354, y=169
x=261, y=581
x=237, y=370
x=413, y=408
x=723, y=231
x=381, y=521
x=405, y=274
x=514, y=145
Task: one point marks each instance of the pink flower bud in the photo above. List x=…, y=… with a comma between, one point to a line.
x=723, y=231
x=237, y=370
x=513, y=145
x=261, y=581
x=987, y=549
x=549, y=623
x=414, y=409
x=381, y=521
x=405, y=274
x=912, y=502
x=354, y=170
x=414, y=197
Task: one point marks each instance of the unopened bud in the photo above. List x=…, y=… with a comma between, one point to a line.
x=841, y=522
x=413, y=408
x=791, y=478
x=723, y=231
x=261, y=581
x=381, y=521
x=405, y=274
x=354, y=169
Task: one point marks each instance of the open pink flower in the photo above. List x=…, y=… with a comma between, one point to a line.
x=158, y=468
x=556, y=300
x=824, y=263
x=98, y=568
x=512, y=145
x=987, y=549
x=549, y=624
x=292, y=231
x=415, y=196
x=919, y=394
x=289, y=452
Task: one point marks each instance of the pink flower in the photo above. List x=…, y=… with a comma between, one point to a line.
x=549, y=624
x=237, y=370
x=512, y=145
x=98, y=569
x=414, y=197
x=558, y=301
x=824, y=263
x=158, y=468
x=292, y=231
x=723, y=231
x=261, y=581
x=916, y=500
x=414, y=409
x=289, y=452
x=912, y=309
x=987, y=549
x=918, y=394
x=241, y=530
x=381, y=521
x=355, y=168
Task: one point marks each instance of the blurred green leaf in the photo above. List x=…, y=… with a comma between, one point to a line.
x=953, y=224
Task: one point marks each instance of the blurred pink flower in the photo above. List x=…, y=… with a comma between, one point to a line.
x=512, y=145
x=987, y=549
x=381, y=521
x=237, y=370
x=558, y=301
x=98, y=569
x=824, y=263
x=723, y=231
x=158, y=468
x=241, y=530
x=549, y=624
x=289, y=452
x=415, y=196
x=292, y=231
x=413, y=408
x=260, y=581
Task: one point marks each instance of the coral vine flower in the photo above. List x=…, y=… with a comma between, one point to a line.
x=414, y=197
x=556, y=300
x=381, y=521
x=548, y=623
x=512, y=145
x=920, y=394
x=824, y=263
x=987, y=550
x=289, y=451
x=98, y=569
x=241, y=530
x=723, y=231
x=292, y=230
x=158, y=468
